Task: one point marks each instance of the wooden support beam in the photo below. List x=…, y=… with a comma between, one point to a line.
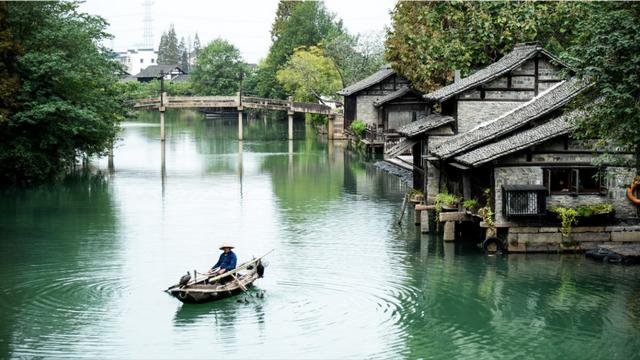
x=466, y=185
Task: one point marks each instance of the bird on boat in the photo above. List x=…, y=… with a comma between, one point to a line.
x=184, y=280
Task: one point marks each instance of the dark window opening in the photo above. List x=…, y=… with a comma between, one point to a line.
x=575, y=181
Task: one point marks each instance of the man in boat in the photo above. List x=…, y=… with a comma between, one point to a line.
x=226, y=262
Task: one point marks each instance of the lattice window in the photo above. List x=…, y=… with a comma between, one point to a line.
x=524, y=200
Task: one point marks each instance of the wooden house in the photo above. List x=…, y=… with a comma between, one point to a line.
x=510, y=133
x=383, y=100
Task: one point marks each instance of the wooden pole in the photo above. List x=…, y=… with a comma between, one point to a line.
x=240, y=123
x=163, y=98
x=161, y=124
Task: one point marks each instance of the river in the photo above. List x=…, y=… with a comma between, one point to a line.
x=83, y=264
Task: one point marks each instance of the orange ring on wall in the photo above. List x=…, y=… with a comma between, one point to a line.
x=630, y=191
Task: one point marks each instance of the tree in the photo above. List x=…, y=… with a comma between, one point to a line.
x=184, y=56
x=196, y=45
x=355, y=56
x=296, y=24
x=9, y=78
x=429, y=40
x=309, y=74
x=68, y=102
x=607, y=51
x=162, y=49
x=218, y=69
x=168, y=52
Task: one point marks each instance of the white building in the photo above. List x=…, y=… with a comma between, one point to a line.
x=137, y=59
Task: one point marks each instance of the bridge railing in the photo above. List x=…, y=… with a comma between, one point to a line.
x=311, y=107
x=149, y=102
x=203, y=101
x=251, y=100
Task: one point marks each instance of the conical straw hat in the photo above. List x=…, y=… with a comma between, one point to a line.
x=226, y=244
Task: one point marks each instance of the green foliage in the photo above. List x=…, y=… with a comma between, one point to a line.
x=486, y=212
x=429, y=40
x=607, y=51
x=358, y=127
x=9, y=78
x=218, y=69
x=309, y=74
x=598, y=209
x=569, y=217
x=297, y=24
x=68, y=102
x=447, y=199
x=470, y=204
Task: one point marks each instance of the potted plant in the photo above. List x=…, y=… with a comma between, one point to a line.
x=470, y=204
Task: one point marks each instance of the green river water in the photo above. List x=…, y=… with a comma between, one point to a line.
x=83, y=264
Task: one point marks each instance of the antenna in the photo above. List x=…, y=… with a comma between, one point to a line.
x=148, y=22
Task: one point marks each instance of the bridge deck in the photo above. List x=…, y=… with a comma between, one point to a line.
x=181, y=102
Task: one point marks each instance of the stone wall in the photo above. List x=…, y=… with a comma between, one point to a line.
x=617, y=180
x=365, y=109
x=549, y=239
x=473, y=113
x=524, y=175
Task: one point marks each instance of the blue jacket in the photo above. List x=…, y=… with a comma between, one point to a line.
x=226, y=261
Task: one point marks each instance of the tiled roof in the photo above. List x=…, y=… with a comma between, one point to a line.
x=424, y=123
x=548, y=101
x=520, y=54
x=153, y=71
x=384, y=72
x=559, y=126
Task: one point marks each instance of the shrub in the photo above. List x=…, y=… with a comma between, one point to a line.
x=358, y=127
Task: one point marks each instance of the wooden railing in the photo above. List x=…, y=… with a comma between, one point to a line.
x=371, y=133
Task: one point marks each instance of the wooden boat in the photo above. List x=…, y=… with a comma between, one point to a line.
x=205, y=288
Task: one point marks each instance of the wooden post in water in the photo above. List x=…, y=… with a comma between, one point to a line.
x=240, y=108
x=163, y=101
x=290, y=119
x=332, y=119
x=240, y=136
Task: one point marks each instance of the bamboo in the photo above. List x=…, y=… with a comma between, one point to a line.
x=244, y=288
x=404, y=205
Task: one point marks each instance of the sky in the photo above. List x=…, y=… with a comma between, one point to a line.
x=245, y=23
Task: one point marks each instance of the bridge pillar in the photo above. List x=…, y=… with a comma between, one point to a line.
x=240, y=123
x=162, y=124
x=290, y=127
x=332, y=119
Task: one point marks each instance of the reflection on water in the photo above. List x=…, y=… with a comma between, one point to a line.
x=84, y=263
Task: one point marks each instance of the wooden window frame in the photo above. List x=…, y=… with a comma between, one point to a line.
x=574, y=188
